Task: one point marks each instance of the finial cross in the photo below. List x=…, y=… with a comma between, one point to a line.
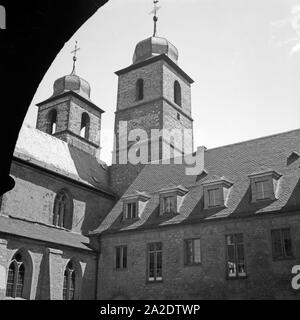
x=155, y=18
x=74, y=52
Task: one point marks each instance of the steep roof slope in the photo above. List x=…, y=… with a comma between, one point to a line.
x=46, y=151
x=234, y=162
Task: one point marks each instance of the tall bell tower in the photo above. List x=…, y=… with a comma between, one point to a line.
x=153, y=93
x=70, y=115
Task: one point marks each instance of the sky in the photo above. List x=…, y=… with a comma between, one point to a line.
x=244, y=56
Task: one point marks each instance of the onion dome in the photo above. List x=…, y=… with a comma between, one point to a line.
x=154, y=46
x=74, y=83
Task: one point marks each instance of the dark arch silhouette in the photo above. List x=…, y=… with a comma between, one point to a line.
x=28, y=46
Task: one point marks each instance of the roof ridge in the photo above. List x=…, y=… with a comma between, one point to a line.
x=255, y=139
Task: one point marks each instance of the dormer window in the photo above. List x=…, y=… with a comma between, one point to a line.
x=131, y=210
x=134, y=205
x=264, y=185
x=216, y=192
x=169, y=204
x=171, y=199
x=263, y=190
x=215, y=198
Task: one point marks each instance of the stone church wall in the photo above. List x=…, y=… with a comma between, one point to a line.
x=33, y=196
x=45, y=271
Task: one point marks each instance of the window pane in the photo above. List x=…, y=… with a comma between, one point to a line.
x=124, y=257
x=188, y=252
x=231, y=261
x=134, y=210
x=72, y=286
x=158, y=246
x=239, y=238
x=159, y=266
x=197, y=251
x=211, y=195
x=241, y=260
x=151, y=266
x=118, y=258
x=65, y=286
x=20, y=281
x=276, y=244
x=10, y=280
x=287, y=242
x=230, y=239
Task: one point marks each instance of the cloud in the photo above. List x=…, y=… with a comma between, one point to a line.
x=286, y=32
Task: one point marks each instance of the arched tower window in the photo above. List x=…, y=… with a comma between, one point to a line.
x=140, y=90
x=62, y=212
x=52, y=118
x=177, y=93
x=19, y=277
x=85, y=126
x=69, y=282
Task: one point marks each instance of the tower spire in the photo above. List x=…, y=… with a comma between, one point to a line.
x=155, y=17
x=74, y=52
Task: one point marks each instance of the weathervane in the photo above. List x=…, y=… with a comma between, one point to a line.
x=74, y=57
x=155, y=17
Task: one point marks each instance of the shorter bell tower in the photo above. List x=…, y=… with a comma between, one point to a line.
x=70, y=115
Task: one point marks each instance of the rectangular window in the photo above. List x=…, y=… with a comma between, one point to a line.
x=192, y=250
x=154, y=262
x=214, y=198
x=131, y=210
x=169, y=204
x=263, y=190
x=281, y=244
x=235, y=256
x=121, y=257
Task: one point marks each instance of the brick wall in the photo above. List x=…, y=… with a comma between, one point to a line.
x=266, y=279
x=33, y=196
x=69, y=113
x=47, y=270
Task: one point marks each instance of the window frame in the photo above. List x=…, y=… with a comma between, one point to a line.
x=20, y=260
x=156, y=251
x=63, y=210
x=264, y=193
x=236, y=260
x=217, y=192
x=271, y=179
x=71, y=280
x=283, y=249
x=126, y=212
x=173, y=203
x=185, y=252
x=122, y=248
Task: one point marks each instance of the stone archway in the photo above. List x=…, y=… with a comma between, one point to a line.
x=35, y=33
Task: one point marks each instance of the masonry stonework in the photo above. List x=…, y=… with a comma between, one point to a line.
x=266, y=279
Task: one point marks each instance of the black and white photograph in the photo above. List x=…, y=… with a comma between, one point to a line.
x=150, y=151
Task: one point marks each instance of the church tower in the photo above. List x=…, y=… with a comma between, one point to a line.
x=153, y=93
x=70, y=115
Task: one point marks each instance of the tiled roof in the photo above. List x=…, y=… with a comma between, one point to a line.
x=235, y=162
x=40, y=232
x=46, y=151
